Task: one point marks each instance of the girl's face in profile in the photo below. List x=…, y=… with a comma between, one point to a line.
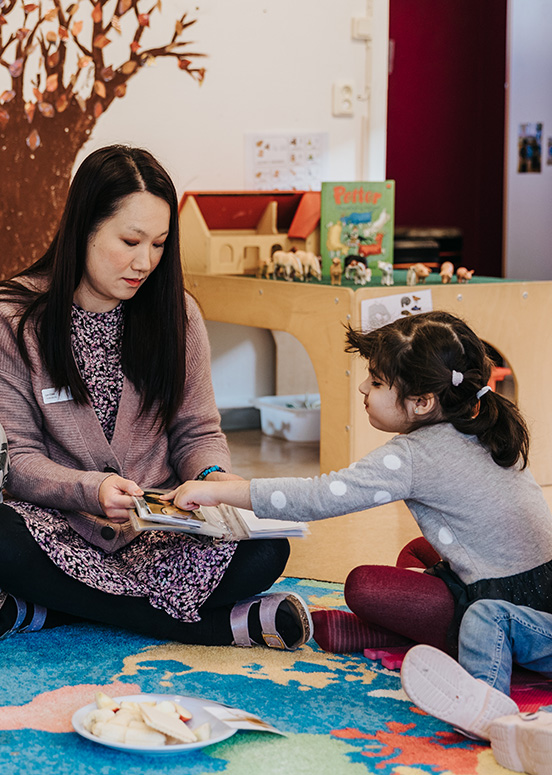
x=123, y=251
x=382, y=407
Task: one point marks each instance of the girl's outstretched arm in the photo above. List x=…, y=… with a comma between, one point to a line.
x=190, y=495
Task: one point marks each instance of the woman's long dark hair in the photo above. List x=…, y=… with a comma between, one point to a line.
x=417, y=355
x=154, y=339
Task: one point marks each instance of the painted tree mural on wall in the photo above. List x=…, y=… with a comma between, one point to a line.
x=60, y=79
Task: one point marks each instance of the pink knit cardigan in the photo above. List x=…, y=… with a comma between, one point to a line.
x=58, y=451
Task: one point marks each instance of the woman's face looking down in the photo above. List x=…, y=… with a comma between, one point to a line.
x=123, y=251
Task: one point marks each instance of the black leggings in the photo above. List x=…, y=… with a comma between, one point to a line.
x=27, y=572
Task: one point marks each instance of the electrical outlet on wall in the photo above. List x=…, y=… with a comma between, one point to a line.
x=343, y=98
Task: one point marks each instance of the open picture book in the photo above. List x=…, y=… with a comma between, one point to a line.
x=225, y=522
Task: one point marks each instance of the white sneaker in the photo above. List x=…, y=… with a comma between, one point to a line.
x=523, y=742
x=437, y=684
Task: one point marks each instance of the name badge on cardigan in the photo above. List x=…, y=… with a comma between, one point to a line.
x=53, y=396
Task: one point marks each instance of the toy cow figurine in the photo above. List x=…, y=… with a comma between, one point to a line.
x=310, y=263
x=447, y=270
x=464, y=275
x=287, y=265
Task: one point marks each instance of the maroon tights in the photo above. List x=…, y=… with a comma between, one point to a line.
x=392, y=606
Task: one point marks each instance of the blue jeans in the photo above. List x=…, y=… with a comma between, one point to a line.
x=495, y=633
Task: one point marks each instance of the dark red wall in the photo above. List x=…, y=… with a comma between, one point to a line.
x=446, y=120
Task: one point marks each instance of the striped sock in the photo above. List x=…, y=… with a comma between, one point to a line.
x=343, y=632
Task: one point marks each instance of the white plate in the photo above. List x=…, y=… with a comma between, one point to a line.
x=197, y=707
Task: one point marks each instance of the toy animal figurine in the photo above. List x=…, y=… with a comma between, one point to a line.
x=335, y=271
x=266, y=268
x=447, y=270
x=350, y=269
x=287, y=265
x=361, y=274
x=464, y=275
x=386, y=272
x=411, y=276
x=311, y=265
x=422, y=272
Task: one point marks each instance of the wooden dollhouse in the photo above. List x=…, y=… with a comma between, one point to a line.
x=230, y=232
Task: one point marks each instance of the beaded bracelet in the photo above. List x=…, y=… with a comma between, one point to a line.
x=207, y=471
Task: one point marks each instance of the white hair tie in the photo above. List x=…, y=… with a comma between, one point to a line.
x=481, y=393
x=457, y=378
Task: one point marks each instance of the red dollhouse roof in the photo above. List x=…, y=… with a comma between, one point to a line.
x=298, y=212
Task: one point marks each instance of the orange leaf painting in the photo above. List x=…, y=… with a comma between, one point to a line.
x=30, y=8
x=52, y=82
x=108, y=74
x=100, y=41
x=51, y=36
x=61, y=103
x=129, y=67
x=120, y=90
x=184, y=63
x=143, y=19
x=98, y=109
x=134, y=46
x=49, y=16
x=16, y=68
x=4, y=118
x=7, y=96
x=116, y=24
x=46, y=109
x=124, y=6
x=52, y=59
x=99, y=88
x=76, y=29
x=63, y=34
x=30, y=108
x=97, y=13
x=22, y=33
x=84, y=61
x=33, y=140
x=3, y=19
x=38, y=94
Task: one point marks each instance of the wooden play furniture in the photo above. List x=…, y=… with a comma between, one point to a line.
x=513, y=317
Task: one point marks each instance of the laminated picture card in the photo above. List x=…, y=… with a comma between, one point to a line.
x=357, y=221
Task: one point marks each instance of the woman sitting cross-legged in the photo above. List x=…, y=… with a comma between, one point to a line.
x=105, y=388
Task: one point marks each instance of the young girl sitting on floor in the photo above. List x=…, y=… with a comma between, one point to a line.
x=459, y=461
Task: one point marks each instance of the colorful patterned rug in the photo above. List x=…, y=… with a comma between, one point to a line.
x=342, y=713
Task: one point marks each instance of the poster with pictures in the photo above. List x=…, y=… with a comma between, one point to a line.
x=378, y=312
x=529, y=147
x=286, y=162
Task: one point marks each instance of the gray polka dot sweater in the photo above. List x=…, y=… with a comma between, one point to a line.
x=486, y=521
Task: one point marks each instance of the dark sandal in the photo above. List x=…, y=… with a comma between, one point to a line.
x=36, y=623
x=268, y=607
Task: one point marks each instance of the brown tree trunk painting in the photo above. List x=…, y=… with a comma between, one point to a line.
x=55, y=57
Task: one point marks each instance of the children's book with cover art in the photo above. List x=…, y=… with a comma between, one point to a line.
x=224, y=522
x=357, y=220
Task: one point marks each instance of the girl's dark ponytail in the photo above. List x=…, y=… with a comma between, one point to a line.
x=500, y=427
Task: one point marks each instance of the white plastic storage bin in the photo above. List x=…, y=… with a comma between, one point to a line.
x=294, y=418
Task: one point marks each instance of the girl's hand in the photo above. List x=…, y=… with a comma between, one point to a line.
x=115, y=497
x=191, y=495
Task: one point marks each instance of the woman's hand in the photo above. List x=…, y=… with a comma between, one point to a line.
x=115, y=497
x=191, y=495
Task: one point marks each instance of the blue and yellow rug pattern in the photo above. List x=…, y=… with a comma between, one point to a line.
x=342, y=713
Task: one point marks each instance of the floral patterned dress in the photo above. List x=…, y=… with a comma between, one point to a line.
x=177, y=573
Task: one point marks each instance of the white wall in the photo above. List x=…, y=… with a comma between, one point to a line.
x=528, y=200
x=270, y=68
